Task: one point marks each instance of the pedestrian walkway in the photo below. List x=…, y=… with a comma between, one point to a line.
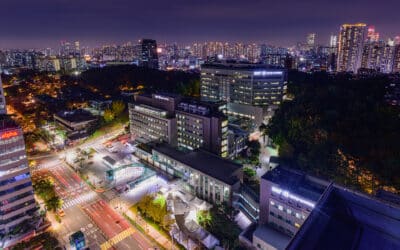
x=117, y=238
x=150, y=231
x=89, y=196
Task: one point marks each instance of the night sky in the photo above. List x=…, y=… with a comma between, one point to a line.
x=41, y=23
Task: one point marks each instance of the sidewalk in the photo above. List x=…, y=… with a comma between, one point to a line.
x=150, y=231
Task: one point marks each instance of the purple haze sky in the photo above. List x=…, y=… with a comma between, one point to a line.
x=44, y=23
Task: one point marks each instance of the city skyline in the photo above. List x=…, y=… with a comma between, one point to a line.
x=45, y=23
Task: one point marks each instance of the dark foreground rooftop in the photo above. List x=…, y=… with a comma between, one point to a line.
x=207, y=163
x=344, y=219
x=78, y=115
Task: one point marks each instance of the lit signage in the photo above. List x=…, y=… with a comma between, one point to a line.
x=287, y=194
x=161, y=97
x=267, y=73
x=9, y=134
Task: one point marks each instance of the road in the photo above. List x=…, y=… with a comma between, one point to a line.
x=85, y=209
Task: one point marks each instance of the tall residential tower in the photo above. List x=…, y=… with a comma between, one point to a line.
x=350, y=50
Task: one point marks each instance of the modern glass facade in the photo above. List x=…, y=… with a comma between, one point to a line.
x=250, y=84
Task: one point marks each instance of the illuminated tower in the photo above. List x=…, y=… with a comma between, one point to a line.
x=17, y=202
x=148, y=54
x=351, y=42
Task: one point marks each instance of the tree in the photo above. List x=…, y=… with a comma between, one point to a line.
x=54, y=203
x=108, y=115
x=117, y=107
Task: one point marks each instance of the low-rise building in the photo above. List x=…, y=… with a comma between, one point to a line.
x=287, y=197
x=206, y=175
x=77, y=123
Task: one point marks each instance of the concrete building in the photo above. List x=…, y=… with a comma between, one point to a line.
x=77, y=123
x=287, y=197
x=202, y=125
x=152, y=118
x=151, y=124
x=344, y=219
x=206, y=175
x=243, y=83
x=350, y=48
x=252, y=113
x=16, y=192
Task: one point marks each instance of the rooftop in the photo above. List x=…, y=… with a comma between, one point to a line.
x=344, y=219
x=78, y=115
x=297, y=182
x=207, y=163
x=6, y=122
x=273, y=237
x=234, y=65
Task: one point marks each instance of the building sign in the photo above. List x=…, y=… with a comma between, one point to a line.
x=161, y=97
x=9, y=134
x=267, y=73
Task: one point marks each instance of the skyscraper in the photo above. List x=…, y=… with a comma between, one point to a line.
x=148, y=54
x=16, y=192
x=333, y=41
x=351, y=42
x=3, y=108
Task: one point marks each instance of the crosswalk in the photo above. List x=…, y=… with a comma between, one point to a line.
x=117, y=238
x=87, y=197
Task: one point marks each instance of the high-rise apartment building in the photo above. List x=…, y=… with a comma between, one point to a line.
x=396, y=59
x=243, y=83
x=333, y=41
x=202, y=125
x=350, y=48
x=148, y=55
x=3, y=107
x=311, y=40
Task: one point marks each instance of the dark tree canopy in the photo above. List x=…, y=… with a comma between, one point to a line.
x=340, y=128
x=110, y=79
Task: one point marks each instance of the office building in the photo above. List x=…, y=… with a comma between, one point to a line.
x=16, y=191
x=243, y=83
x=344, y=219
x=350, y=47
x=152, y=118
x=18, y=207
x=202, y=125
x=148, y=54
x=205, y=175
